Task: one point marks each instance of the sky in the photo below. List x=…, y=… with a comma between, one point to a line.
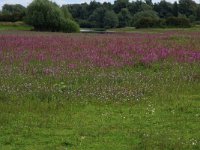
x=61, y=2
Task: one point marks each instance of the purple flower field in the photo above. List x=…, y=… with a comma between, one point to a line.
x=106, y=50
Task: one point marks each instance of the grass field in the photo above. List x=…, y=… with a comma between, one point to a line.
x=13, y=26
x=154, y=30
x=122, y=91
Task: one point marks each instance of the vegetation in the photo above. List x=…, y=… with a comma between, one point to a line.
x=47, y=16
x=127, y=11
x=87, y=91
x=105, y=15
x=119, y=91
x=12, y=13
x=178, y=22
x=14, y=26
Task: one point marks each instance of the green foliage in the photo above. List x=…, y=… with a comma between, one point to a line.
x=178, y=22
x=175, y=9
x=147, y=22
x=66, y=12
x=102, y=18
x=124, y=18
x=11, y=17
x=45, y=15
x=144, y=14
x=164, y=9
x=145, y=7
x=69, y=26
x=187, y=7
x=198, y=13
x=13, y=9
x=12, y=13
x=85, y=23
x=119, y=5
x=97, y=17
x=110, y=19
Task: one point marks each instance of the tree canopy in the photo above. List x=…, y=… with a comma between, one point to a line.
x=46, y=15
x=101, y=15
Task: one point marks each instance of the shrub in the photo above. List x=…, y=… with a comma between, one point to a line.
x=147, y=22
x=46, y=15
x=11, y=17
x=180, y=22
x=69, y=26
x=85, y=23
x=144, y=14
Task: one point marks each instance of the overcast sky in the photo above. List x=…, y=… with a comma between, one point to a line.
x=60, y=2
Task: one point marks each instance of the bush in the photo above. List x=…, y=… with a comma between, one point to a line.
x=86, y=24
x=178, y=22
x=147, y=22
x=144, y=14
x=11, y=17
x=47, y=16
x=69, y=26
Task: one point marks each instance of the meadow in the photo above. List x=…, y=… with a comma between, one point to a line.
x=13, y=26
x=117, y=91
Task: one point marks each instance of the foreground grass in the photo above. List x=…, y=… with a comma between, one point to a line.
x=98, y=126
x=166, y=117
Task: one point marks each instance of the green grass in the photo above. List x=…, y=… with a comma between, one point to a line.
x=167, y=117
x=154, y=107
x=15, y=27
x=154, y=30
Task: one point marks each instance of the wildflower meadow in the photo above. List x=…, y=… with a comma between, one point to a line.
x=120, y=91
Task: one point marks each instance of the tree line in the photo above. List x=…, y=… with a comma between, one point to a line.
x=121, y=13
x=43, y=15
x=138, y=13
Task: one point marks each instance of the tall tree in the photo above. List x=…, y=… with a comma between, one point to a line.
x=124, y=18
x=97, y=17
x=187, y=7
x=66, y=12
x=13, y=9
x=110, y=19
x=175, y=9
x=164, y=9
x=119, y=5
x=198, y=13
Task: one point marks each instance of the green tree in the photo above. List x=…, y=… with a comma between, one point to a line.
x=45, y=15
x=13, y=9
x=175, y=9
x=66, y=12
x=135, y=7
x=119, y=5
x=164, y=9
x=124, y=18
x=97, y=17
x=198, y=13
x=144, y=14
x=187, y=7
x=110, y=19
x=93, y=6
x=13, y=13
